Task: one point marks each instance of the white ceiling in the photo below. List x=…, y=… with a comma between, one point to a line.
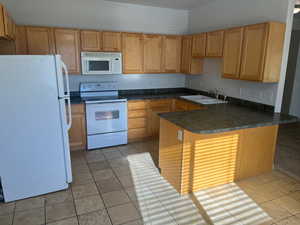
x=173, y=4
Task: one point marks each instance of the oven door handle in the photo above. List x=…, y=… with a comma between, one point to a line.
x=104, y=102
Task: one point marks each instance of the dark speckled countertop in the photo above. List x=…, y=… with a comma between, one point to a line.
x=143, y=94
x=238, y=114
x=225, y=117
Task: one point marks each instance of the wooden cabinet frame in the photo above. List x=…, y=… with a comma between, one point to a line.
x=214, y=43
x=171, y=56
x=199, y=45
x=133, y=61
x=91, y=40
x=152, y=45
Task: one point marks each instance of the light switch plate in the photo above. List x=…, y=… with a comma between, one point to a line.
x=180, y=135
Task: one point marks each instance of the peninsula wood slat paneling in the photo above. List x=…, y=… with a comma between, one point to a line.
x=209, y=160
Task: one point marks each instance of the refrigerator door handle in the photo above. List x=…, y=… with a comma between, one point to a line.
x=67, y=96
x=66, y=78
x=69, y=124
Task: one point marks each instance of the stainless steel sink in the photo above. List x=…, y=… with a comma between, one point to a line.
x=202, y=99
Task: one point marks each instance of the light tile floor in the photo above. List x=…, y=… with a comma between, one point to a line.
x=121, y=186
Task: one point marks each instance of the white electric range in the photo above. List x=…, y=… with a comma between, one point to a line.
x=106, y=115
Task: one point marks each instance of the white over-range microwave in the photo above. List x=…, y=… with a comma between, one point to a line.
x=97, y=63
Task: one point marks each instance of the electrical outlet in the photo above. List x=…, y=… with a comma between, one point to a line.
x=180, y=135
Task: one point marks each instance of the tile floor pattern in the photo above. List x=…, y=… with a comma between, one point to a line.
x=121, y=186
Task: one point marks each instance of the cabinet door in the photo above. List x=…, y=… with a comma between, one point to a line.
x=111, y=41
x=180, y=105
x=156, y=107
x=90, y=40
x=171, y=52
x=137, y=120
x=233, y=42
x=67, y=45
x=199, y=45
x=214, y=46
x=21, y=40
x=186, y=54
x=77, y=133
x=7, y=25
x=254, y=47
x=40, y=40
x=2, y=25
x=152, y=53
x=133, y=53
x=189, y=65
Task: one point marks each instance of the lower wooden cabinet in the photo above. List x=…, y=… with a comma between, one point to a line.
x=156, y=107
x=183, y=105
x=137, y=120
x=143, y=118
x=77, y=133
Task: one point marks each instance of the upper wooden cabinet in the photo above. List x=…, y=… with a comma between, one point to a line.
x=152, y=53
x=40, y=40
x=133, y=52
x=171, y=53
x=214, y=46
x=233, y=41
x=91, y=40
x=67, y=45
x=7, y=25
x=262, y=52
x=111, y=41
x=186, y=54
x=189, y=65
x=21, y=40
x=199, y=45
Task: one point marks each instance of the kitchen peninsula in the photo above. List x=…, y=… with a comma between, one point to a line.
x=216, y=145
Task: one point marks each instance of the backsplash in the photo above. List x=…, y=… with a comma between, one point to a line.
x=211, y=79
x=133, y=81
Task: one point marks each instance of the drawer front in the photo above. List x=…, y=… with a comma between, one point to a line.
x=140, y=113
x=192, y=106
x=160, y=103
x=138, y=133
x=134, y=105
x=137, y=123
x=161, y=109
x=179, y=104
x=77, y=108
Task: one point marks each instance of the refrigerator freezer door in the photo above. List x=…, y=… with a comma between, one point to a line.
x=32, y=147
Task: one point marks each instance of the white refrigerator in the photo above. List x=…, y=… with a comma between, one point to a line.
x=34, y=145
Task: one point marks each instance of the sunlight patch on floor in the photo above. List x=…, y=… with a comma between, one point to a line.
x=228, y=204
x=159, y=202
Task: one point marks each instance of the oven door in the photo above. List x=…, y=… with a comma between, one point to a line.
x=106, y=117
x=97, y=66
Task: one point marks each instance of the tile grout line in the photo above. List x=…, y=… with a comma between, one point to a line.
x=124, y=188
x=99, y=190
x=14, y=214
